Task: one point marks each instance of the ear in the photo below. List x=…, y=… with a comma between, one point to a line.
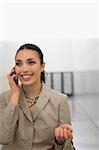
x=42, y=67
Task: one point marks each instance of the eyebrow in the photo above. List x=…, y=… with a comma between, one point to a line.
x=26, y=60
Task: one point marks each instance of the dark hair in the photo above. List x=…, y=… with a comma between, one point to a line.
x=38, y=50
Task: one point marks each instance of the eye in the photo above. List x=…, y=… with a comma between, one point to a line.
x=31, y=62
x=18, y=64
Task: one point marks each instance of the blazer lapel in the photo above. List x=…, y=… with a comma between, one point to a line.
x=42, y=101
x=24, y=106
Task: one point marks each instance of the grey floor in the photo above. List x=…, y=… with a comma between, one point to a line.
x=85, y=121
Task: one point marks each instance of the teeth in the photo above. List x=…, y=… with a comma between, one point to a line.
x=26, y=76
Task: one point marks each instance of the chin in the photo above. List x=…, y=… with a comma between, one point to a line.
x=27, y=83
x=31, y=82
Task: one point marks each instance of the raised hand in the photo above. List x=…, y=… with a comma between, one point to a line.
x=63, y=132
x=15, y=88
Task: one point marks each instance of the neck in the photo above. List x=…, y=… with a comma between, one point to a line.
x=32, y=91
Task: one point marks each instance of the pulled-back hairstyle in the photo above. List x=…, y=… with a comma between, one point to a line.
x=33, y=47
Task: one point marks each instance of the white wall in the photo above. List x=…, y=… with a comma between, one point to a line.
x=29, y=19
x=53, y=25
x=85, y=54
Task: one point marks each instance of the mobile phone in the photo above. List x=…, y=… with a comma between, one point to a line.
x=15, y=78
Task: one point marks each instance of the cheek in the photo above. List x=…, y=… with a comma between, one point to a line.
x=37, y=68
x=38, y=71
x=17, y=70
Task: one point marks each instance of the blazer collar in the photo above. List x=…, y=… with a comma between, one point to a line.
x=44, y=98
x=42, y=101
x=24, y=106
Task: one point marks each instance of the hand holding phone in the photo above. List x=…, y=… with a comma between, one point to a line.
x=14, y=78
x=14, y=86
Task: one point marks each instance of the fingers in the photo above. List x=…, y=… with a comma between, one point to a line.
x=61, y=133
x=67, y=126
x=12, y=79
x=57, y=132
x=11, y=73
x=70, y=134
x=64, y=131
x=68, y=130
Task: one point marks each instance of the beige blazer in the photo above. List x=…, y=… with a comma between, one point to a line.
x=22, y=130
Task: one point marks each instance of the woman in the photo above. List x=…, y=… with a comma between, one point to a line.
x=33, y=116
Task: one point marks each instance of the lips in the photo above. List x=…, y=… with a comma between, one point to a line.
x=26, y=77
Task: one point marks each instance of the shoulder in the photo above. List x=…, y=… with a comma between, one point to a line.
x=4, y=96
x=58, y=101
x=7, y=92
x=56, y=95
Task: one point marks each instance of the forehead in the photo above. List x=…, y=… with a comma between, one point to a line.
x=26, y=54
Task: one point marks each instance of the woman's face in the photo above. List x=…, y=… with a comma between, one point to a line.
x=28, y=66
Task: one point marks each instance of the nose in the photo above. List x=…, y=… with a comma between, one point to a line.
x=24, y=68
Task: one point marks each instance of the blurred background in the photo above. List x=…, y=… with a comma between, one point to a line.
x=67, y=32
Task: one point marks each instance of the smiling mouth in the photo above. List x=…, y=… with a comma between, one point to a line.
x=26, y=77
